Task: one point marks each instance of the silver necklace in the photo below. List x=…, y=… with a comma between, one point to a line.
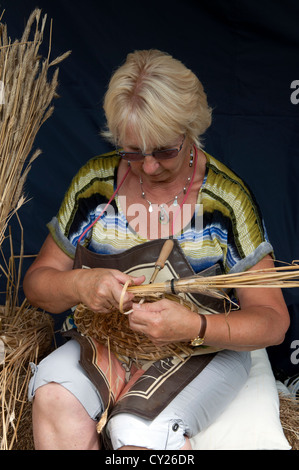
x=163, y=215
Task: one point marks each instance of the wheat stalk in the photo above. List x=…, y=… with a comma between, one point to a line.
x=215, y=286
x=25, y=105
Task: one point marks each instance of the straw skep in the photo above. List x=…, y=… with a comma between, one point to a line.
x=122, y=339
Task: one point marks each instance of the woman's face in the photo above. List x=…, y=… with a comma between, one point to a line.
x=152, y=167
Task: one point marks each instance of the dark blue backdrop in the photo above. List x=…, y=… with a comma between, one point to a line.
x=246, y=54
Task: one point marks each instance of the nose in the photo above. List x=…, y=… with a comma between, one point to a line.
x=150, y=165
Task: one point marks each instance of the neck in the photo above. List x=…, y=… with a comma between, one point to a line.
x=163, y=218
x=173, y=185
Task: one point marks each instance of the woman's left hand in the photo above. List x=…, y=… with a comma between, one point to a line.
x=165, y=321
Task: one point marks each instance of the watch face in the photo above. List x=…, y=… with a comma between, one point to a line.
x=197, y=341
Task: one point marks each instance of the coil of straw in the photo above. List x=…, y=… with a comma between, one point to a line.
x=122, y=339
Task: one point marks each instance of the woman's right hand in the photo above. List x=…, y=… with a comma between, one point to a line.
x=101, y=289
x=51, y=283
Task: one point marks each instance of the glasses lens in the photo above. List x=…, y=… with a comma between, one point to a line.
x=133, y=156
x=158, y=154
x=165, y=154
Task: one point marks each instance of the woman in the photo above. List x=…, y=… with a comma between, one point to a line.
x=156, y=111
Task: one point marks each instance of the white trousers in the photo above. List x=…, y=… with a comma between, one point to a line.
x=191, y=411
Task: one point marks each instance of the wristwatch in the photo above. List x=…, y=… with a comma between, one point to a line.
x=201, y=335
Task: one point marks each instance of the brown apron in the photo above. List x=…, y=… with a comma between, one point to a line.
x=144, y=395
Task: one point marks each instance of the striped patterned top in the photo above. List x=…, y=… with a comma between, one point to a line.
x=227, y=226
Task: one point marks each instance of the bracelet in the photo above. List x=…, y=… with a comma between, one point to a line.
x=201, y=335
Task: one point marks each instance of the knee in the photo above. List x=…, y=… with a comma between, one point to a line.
x=51, y=398
x=60, y=421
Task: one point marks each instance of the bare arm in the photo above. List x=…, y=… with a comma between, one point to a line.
x=52, y=284
x=262, y=320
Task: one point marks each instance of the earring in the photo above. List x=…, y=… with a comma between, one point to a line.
x=191, y=158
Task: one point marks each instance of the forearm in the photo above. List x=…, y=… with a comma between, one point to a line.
x=58, y=290
x=252, y=327
x=51, y=289
x=247, y=329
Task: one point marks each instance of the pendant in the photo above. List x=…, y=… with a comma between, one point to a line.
x=163, y=216
x=150, y=208
x=175, y=202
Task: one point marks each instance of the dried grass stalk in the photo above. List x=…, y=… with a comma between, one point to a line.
x=26, y=333
x=25, y=104
x=289, y=418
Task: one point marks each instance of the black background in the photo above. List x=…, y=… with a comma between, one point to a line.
x=245, y=52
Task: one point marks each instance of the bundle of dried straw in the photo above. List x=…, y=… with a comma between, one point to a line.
x=25, y=104
x=215, y=286
x=289, y=418
x=26, y=333
x=26, y=94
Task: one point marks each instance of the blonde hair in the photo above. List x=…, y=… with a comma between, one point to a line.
x=158, y=98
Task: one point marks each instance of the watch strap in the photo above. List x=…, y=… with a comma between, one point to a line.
x=201, y=334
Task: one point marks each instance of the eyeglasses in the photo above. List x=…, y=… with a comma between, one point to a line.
x=163, y=154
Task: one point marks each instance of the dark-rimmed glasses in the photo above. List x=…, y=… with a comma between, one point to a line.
x=163, y=154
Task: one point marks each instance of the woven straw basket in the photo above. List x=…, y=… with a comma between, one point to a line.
x=123, y=340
